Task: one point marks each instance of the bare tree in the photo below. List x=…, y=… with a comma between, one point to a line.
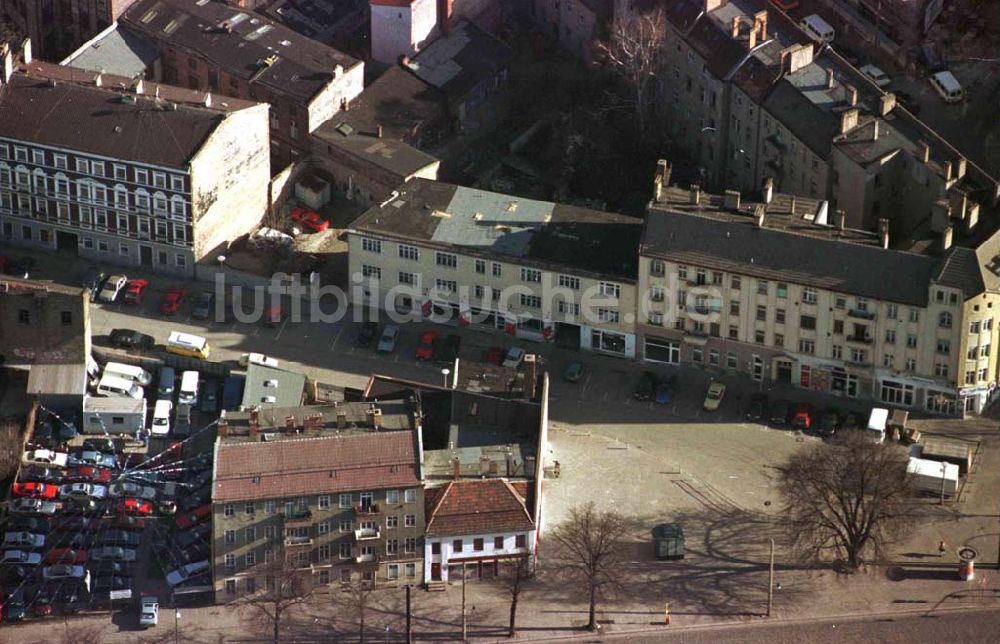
x=850, y=499
x=634, y=51
x=285, y=586
x=79, y=634
x=590, y=547
x=355, y=596
x=516, y=575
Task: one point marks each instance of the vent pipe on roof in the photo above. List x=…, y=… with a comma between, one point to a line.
x=98, y=80
x=960, y=166
x=759, y=213
x=972, y=218
x=841, y=220
x=946, y=238
x=852, y=95
x=695, y=194
x=883, y=232
x=925, y=152
x=26, y=51
x=829, y=79
x=378, y=131
x=875, y=130
x=208, y=99
x=946, y=171
x=791, y=206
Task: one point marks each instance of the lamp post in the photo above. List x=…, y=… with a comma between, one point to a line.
x=177, y=616
x=444, y=373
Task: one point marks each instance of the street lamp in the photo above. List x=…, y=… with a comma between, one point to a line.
x=177, y=616
x=444, y=373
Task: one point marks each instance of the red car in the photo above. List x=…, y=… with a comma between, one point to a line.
x=428, y=342
x=194, y=517
x=89, y=474
x=172, y=301
x=135, y=507
x=134, y=290
x=802, y=418
x=36, y=490
x=66, y=556
x=310, y=219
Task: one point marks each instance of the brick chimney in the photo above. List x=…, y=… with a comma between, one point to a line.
x=374, y=415
x=732, y=199
x=455, y=468
x=925, y=151
x=289, y=422
x=848, y=120
x=829, y=79
x=960, y=166
x=254, y=419
x=886, y=103
x=444, y=12
x=760, y=25
x=222, y=428
x=946, y=238
x=26, y=51
x=972, y=217
x=883, y=232
x=8, y=64
x=852, y=95
x=661, y=179
x=767, y=192
x=735, y=30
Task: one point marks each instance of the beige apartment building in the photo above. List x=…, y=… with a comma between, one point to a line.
x=536, y=270
x=780, y=289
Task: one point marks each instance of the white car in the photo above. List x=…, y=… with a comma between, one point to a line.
x=184, y=572
x=23, y=539
x=513, y=358
x=83, y=491
x=65, y=571
x=34, y=506
x=149, y=612
x=133, y=489
x=21, y=558
x=877, y=75
x=112, y=288
x=257, y=358
x=46, y=457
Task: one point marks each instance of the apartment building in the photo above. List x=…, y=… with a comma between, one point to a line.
x=136, y=174
x=334, y=490
x=57, y=28
x=750, y=96
x=476, y=526
x=576, y=24
x=778, y=287
x=535, y=270
x=211, y=46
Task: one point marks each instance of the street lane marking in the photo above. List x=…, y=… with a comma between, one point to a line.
x=281, y=329
x=336, y=338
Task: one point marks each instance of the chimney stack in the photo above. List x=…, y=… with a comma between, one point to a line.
x=960, y=165
x=735, y=27
x=661, y=179
x=290, y=422
x=760, y=213
x=341, y=419
x=925, y=151
x=8, y=64
x=848, y=120
x=946, y=170
x=26, y=51
x=752, y=38
x=768, y=191
x=887, y=103
x=883, y=232
x=695, y=194
x=139, y=87
x=829, y=79
x=852, y=95
x=946, y=238
x=732, y=199
x=208, y=99
x=972, y=218
x=455, y=465
x=875, y=130
x=841, y=220
x=791, y=206
x=760, y=24
x=374, y=417
x=222, y=428
x=98, y=80
x=378, y=131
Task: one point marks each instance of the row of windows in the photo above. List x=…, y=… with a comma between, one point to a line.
x=323, y=502
x=93, y=167
x=322, y=527
x=323, y=553
x=96, y=218
x=89, y=243
x=322, y=577
x=479, y=544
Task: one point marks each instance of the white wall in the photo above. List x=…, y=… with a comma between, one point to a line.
x=448, y=556
x=400, y=31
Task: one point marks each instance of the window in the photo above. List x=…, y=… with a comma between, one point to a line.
x=571, y=282
x=734, y=308
x=890, y=336
x=447, y=285
x=66, y=318
x=911, y=341
x=249, y=508
x=81, y=164
x=228, y=509
x=346, y=525
x=230, y=536
x=700, y=276
x=807, y=322
x=159, y=180
x=323, y=552
x=97, y=168
x=410, y=545
x=231, y=585
x=345, y=550
x=176, y=183
x=809, y=295
x=610, y=289
x=392, y=571
x=914, y=315
x=323, y=527
x=371, y=245
x=943, y=347
x=410, y=496
x=23, y=317
x=411, y=570
x=911, y=364
x=840, y=302
x=762, y=286
x=891, y=311
x=410, y=520
x=481, y=266
x=779, y=340
x=970, y=377
x=531, y=301
x=367, y=270
x=478, y=545
x=656, y=268
x=392, y=546
x=407, y=278
x=392, y=522
x=531, y=275
x=498, y=543
x=521, y=541
x=392, y=496
x=782, y=290
x=456, y=545
x=323, y=502
x=759, y=337
x=446, y=259
x=941, y=370
x=735, y=283
x=345, y=500
x=496, y=268
x=984, y=351
x=409, y=252
x=944, y=320
x=761, y=312
x=250, y=559
x=837, y=352
x=807, y=346
x=716, y=278
x=607, y=315
x=230, y=561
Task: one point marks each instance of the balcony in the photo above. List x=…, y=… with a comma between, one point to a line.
x=365, y=534
x=366, y=559
x=298, y=541
x=366, y=509
x=860, y=339
x=864, y=315
x=297, y=516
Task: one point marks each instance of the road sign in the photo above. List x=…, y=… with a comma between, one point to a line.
x=121, y=594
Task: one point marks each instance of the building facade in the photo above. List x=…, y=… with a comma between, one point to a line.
x=338, y=508
x=535, y=270
x=772, y=290
x=150, y=176
x=576, y=24
x=401, y=27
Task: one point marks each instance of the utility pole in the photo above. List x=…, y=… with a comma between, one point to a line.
x=943, y=472
x=464, y=625
x=409, y=629
x=770, y=581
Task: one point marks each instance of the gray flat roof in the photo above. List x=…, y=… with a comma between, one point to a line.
x=264, y=383
x=115, y=51
x=57, y=379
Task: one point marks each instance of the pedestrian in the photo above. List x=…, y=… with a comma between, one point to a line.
x=942, y=547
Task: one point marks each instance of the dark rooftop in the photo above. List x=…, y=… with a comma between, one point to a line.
x=240, y=42
x=319, y=420
x=400, y=158
x=461, y=59
x=106, y=120
x=478, y=221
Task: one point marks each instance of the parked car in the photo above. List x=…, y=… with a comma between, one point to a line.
x=194, y=517
x=128, y=488
x=112, y=553
x=449, y=348
x=88, y=474
x=83, y=491
x=513, y=358
x=34, y=506
x=93, y=457
x=387, y=341
x=310, y=220
x=42, y=474
x=208, y=398
x=198, y=534
x=829, y=423
x=175, y=577
x=665, y=390
x=199, y=496
x=716, y=392
x=92, y=281
x=78, y=523
x=204, y=305
x=36, y=490
x=41, y=604
x=172, y=301
x=66, y=556
x=69, y=597
x=574, y=372
x=108, y=445
x=112, y=287
x=645, y=389
x=20, y=558
x=46, y=457
x=102, y=585
x=23, y=540
x=132, y=506
x=778, y=412
x=13, y=605
x=427, y=345
x=130, y=339
x=878, y=76
x=64, y=571
x=149, y=611
x=101, y=569
x=118, y=538
x=802, y=416
x=38, y=525
x=757, y=409
x=366, y=334
x=134, y=290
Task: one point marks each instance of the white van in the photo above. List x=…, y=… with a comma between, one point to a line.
x=259, y=359
x=128, y=372
x=161, y=417
x=188, y=394
x=947, y=86
x=877, y=422
x=186, y=344
x=818, y=28
x=111, y=385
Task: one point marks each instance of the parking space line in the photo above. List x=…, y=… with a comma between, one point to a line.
x=586, y=383
x=336, y=338
x=281, y=329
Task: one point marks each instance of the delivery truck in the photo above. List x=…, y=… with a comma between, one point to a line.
x=933, y=476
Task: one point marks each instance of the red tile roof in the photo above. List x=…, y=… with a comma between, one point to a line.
x=329, y=464
x=476, y=506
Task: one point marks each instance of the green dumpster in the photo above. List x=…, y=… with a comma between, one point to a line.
x=668, y=541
